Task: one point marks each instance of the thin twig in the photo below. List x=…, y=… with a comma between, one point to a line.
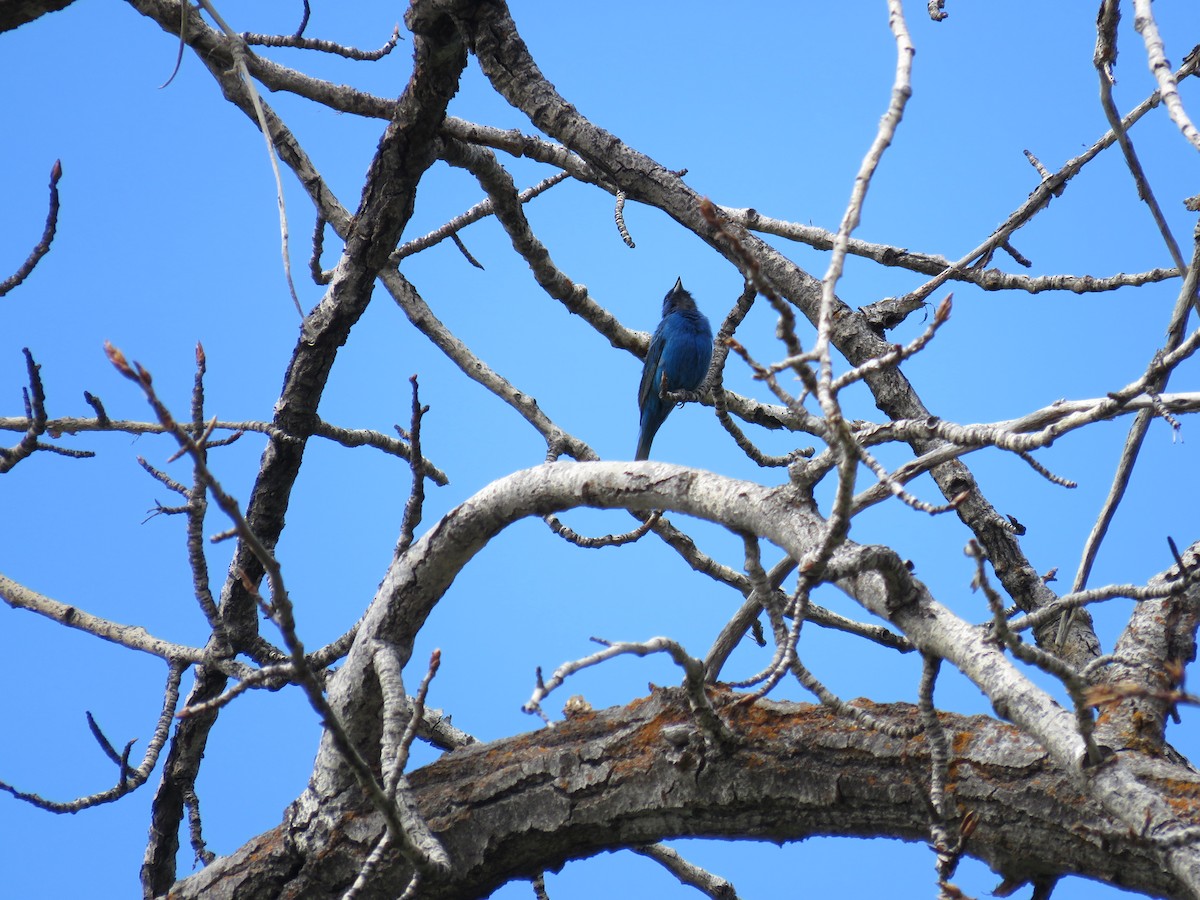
x=716, y=732
x=238, y=47
x=196, y=828
x=1035, y=656
x=35, y=415
x=1041, y=195
x=347, y=437
x=939, y=765
x=619, y=217
x=282, y=613
x=607, y=540
x=841, y=439
x=688, y=873
x=128, y=779
x=479, y=211
x=933, y=264
x=414, y=506
x=42, y=247
x=1157, y=58
x=1155, y=380
x=1103, y=58
x=302, y=43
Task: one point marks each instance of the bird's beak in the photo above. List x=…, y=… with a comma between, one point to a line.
x=678, y=285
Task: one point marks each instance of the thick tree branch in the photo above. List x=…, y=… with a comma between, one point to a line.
x=1150, y=658
x=873, y=575
x=14, y=13
x=632, y=774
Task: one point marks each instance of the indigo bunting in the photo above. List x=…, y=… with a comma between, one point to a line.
x=680, y=350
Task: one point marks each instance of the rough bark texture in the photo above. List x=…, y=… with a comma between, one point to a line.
x=644, y=772
x=14, y=13
x=639, y=773
x=331, y=830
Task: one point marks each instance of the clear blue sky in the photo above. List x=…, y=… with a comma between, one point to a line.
x=168, y=236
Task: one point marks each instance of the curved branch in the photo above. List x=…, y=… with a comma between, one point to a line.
x=874, y=576
x=42, y=247
x=633, y=774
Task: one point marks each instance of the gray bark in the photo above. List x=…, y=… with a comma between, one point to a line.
x=639, y=773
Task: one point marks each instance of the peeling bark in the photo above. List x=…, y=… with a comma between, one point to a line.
x=640, y=773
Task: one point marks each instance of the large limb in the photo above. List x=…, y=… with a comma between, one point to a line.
x=326, y=832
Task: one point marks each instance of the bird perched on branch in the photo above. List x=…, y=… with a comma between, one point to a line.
x=678, y=359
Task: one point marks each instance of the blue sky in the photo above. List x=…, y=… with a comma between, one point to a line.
x=168, y=235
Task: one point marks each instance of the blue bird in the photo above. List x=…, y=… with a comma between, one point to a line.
x=680, y=350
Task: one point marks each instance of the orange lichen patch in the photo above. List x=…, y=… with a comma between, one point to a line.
x=960, y=742
x=1183, y=797
x=266, y=845
x=759, y=715
x=649, y=738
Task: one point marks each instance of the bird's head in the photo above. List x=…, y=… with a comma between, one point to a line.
x=678, y=299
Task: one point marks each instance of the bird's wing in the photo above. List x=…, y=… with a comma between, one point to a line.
x=649, y=387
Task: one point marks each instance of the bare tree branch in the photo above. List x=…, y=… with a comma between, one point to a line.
x=783, y=787
x=1045, y=789
x=43, y=246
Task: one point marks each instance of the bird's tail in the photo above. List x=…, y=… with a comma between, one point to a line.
x=652, y=417
x=645, y=439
